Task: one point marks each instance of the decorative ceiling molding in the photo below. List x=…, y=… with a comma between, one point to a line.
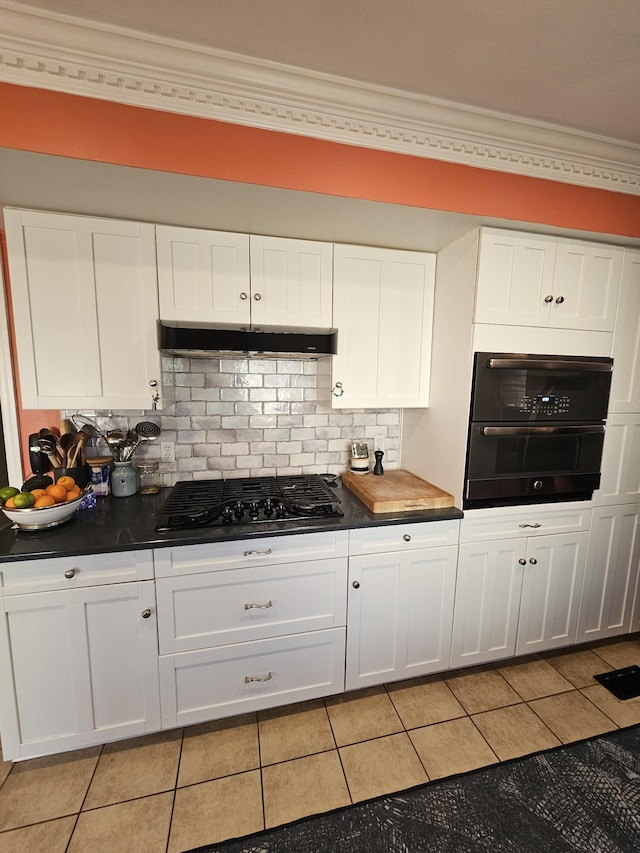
x=51, y=51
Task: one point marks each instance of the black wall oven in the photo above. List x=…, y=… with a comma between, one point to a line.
x=536, y=428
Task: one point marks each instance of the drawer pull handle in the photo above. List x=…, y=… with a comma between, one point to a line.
x=264, y=606
x=264, y=553
x=535, y=525
x=249, y=678
x=146, y=613
x=70, y=573
x=406, y=537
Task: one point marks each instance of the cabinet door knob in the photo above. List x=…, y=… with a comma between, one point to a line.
x=533, y=561
x=522, y=561
x=356, y=584
x=548, y=298
x=337, y=390
x=257, y=297
x=406, y=537
x=244, y=296
x=559, y=300
x=146, y=613
x=70, y=573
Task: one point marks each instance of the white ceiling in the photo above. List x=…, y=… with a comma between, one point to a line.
x=570, y=62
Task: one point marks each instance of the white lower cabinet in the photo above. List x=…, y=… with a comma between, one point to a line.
x=250, y=624
x=400, y=601
x=610, y=588
x=517, y=595
x=225, y=680
x=79, y=666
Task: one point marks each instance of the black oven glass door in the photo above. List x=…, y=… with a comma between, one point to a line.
x=511, y=387
x=509, y=462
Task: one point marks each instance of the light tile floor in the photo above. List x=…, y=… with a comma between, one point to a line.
x=171, y=792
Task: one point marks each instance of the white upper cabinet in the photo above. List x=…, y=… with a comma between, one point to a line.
x=85, y=306
x=291, y=283
x=586, y=286
x=536, y=280
x=203, y=275
x=383, y=310
x=237, y=280
x=515, y=274
x=625, y=384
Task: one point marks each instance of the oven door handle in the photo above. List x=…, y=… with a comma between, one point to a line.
x=591, y=429
x=550, y=364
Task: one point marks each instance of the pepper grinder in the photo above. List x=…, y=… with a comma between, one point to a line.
x=378, y=470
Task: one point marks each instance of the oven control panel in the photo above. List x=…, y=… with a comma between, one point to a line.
x=544, y=404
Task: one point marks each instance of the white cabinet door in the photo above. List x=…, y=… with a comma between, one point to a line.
x=399, y=615
x=487, y=599
x=625, y=384
x=203, y=276
x=586, y=286
x=79, y=667
x=515, y=278
x=551, y=590
x=291, y=283
x=620, y=480
x=383, y=310
x=85, y=308
x=611, y=577
x=207, y=684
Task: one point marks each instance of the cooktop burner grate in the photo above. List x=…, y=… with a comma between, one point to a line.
x=213, y=503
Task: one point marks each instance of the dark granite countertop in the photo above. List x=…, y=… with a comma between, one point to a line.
x=126, y=524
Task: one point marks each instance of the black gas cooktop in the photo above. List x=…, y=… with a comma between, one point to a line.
x=215, y=503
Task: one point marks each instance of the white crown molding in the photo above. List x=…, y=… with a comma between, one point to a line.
x=51, y=51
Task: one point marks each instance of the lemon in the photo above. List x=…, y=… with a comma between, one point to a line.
x=23, y=500
x=7, y=492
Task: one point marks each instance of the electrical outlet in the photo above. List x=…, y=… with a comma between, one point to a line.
x=168, y=451
x=378, y=443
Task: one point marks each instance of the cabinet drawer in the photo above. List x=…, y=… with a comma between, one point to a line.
x=213, y=683
x=481, y=525
x=401, y=537
x=241, y=553
x=239, y=605
x=71, y=572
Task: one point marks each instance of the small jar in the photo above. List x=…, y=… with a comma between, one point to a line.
x=149, y=477
x=124, y=480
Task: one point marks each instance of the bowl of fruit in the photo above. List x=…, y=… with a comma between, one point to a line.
x=41, y=503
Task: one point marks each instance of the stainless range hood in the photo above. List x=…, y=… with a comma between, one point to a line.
x=211, y=341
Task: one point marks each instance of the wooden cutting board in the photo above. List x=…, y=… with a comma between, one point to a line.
x=395, y=491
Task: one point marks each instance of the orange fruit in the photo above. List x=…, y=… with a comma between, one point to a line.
x=66, y=482
x=58, y=493
x=37, y=493
x=72, y=494
x=44, y=500
x=9, y=503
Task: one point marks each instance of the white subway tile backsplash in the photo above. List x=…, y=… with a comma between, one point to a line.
x=239, y=417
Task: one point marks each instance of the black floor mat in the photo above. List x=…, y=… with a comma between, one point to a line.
x=623, y=683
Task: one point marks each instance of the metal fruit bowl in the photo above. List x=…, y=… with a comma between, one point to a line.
x=40, y=518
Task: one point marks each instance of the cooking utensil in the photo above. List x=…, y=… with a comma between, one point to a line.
x=66, y=442
x=147, y=430
x=49, y=446
x=88, y=427
x=76, y=455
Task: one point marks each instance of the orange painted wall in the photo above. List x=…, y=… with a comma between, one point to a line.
x=72, y=126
